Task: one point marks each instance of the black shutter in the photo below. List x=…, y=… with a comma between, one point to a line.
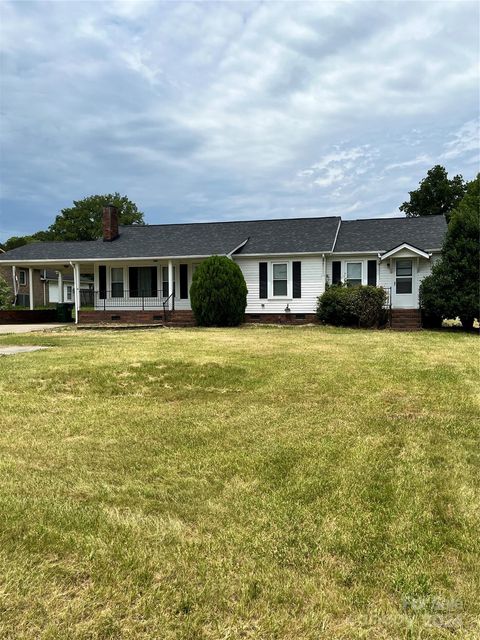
x=133, y=281
x=297, y=279
x=336, y=271
x=184, y=281
x=153, y=282
x=262, y=274
x=372, y=273
x=102, y=281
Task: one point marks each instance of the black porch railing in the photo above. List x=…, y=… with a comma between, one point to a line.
x=133, y=299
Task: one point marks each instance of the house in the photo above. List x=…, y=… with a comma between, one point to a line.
x=20, y=286
x=143, y=273
x=53, y=295
x=45, y=286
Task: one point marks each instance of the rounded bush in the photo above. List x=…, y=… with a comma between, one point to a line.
x=334, y=306
x=352, y=306
x=218, y=294
x=367, y=305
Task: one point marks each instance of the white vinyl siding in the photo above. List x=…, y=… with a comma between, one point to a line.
x=312, y=284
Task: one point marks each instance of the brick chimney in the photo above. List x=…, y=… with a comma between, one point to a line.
x=110, y=223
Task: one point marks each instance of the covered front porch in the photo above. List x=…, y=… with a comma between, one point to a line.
x=117, y=290
x=143, y=285
x=154, y=291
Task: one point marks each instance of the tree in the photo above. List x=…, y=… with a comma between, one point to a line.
x=5, y=294
x=453, y=288
x=218, y=293
x=436, y=195
x=19, y=241
x=83, y=221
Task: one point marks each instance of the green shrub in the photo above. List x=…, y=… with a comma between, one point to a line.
x=218, y=293
x=334, y=306
x=367, y=305
x=352, y=306
x=5, y=294
x=432, y=299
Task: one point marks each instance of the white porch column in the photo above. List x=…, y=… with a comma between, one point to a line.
x=76, y=289
x=170, y=284
x=60, y=286
x=30, y=287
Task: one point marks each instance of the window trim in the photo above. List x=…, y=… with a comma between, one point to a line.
x=360, y=262
x=22, y=275
x=271, y=295
x=112, y=281
x=69, y=292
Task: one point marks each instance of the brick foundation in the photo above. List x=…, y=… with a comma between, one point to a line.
x=25, y=316
x=136, y=317
x=185, y=318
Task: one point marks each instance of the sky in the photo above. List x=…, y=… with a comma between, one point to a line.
x=202, y=111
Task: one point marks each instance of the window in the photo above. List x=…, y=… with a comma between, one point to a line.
x=279, y=278
x=165, y=281
x=354, y=274
x=404, y=276
x=22, y=278
x=117, y=282
x=69, y=292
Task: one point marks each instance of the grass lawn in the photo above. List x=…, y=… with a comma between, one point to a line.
x=267, y=483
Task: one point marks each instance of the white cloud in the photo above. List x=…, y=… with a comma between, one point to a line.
x=422, y=159
x=466, y=139
x=202, y=110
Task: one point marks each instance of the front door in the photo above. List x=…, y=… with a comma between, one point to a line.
x=404, y=285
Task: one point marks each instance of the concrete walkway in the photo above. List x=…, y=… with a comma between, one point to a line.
x=28, y=328
x=11, y=351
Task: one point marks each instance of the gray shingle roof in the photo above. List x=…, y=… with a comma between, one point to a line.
x=297, y=235
x=300, y=235
x=383, y=234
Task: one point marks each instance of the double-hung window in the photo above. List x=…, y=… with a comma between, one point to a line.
x=22, y=278
x=117, y=282
x=69, y=292
x=280, y=278
x=354, y=274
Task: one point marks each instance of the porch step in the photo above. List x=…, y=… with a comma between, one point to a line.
x=406, y=319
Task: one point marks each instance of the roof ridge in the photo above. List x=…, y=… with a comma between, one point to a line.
x=183, y=224
x=441, y=216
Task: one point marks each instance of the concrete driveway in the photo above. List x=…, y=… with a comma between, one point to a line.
x=27, y=328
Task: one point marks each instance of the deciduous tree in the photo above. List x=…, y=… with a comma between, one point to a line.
x=436, y=195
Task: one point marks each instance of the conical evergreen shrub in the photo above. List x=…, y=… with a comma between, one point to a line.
x=218, y=294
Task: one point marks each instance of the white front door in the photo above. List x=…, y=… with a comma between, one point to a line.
x=404, y=284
